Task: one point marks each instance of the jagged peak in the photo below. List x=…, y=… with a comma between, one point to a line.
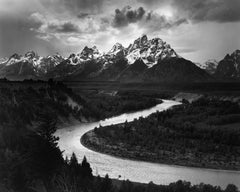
x=149, y=50
x=141, y=40
x=15, y=55
x=95, y=49
x=86, y=48
x=90, y=49
x=118, y=44
x=227, y=56
x=31, y=54
x=236, y=52
x=116, y=47
x=144, y=38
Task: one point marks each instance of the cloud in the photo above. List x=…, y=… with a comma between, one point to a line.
x=202, y=10
x=84, y=4
x=83, y=15
x=66, y=27
x=153, y=3
x=185, y=50
x=73, y=7
x=210, y=10
x=148, y=21
x=127, y=15
x=37, y=20
x=44, y=25
x=156, y=22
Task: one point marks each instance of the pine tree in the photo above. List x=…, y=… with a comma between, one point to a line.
x=47, y=129
x=86, y=168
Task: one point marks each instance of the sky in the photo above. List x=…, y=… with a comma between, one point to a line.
x=197, y=30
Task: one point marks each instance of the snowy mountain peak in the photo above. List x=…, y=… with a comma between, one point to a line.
x=150, y=51
x=90, y=53
x=116, y=48
x=95, y=49
x=15, y=56
x=3, y=60
x=117, y=51
x=13, y=59
x=86, y=55
x=31, y=54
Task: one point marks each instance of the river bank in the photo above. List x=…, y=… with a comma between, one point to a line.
x=91, y=141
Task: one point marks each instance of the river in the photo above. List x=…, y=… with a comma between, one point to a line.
x=138, y=171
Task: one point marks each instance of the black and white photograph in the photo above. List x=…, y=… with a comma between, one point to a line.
x=119, y=95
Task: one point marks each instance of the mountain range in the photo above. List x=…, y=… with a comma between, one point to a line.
x=145, y=60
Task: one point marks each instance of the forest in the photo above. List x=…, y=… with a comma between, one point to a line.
x=111, y=103
x=205, y=133
x=29, y=99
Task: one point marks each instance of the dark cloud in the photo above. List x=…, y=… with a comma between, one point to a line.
x=203, y=10
x=155, y=22
x=127, y=15
x=41, y=24
x=180, y=21
x=91, y=5
x=104, y=24
x=210, y=10
x=83, y=15
x=66, y=27
x=153, y=3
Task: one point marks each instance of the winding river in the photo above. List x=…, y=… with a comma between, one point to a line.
x=69, y=141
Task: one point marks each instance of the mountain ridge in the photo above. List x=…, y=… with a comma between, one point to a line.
x=91, y=64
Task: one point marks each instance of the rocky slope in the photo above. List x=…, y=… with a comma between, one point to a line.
x=209, y=66
x=150, y=51
x=229, y=67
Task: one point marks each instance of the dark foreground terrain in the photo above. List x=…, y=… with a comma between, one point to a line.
x=30, y=159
